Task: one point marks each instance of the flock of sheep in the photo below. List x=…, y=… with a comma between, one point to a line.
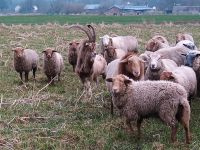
x=134, y=81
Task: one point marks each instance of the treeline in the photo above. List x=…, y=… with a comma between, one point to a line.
x=76, y=6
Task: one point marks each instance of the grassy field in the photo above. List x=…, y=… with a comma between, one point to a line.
x=36, y=116
x=99, y=19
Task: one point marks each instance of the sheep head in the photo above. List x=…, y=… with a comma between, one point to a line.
x=166, y=75
x=106, y=40
x=179, y=37
x=155, y=63
x=18, y=52
x=190, y=57
x=110, y=51
x=119, y=84
x=49, y=52
x=152, y=45
x=132, y=65
x=73, y=45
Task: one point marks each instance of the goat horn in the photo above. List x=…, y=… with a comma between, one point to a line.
x=92, y=32
x=86, y=30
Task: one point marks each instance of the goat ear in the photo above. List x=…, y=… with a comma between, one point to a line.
x=109, y=80
x=127, y=81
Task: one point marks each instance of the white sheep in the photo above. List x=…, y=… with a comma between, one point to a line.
x=127, y=43
x=157, y=65
x=25, y=60
x=185, y=76
x=53, y=64
x=99, y=67
x=137, y=100
x=174, y=53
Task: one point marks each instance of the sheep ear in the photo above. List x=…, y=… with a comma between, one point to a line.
x=168, y=74
x=77, y=43
x=44, y=51
x=127, y=81
x=70, y=43
x=54, y=50
x=109, y=80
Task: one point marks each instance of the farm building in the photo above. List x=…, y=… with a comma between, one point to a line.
x=186, y=9
x=127, y=10
x=92, y=8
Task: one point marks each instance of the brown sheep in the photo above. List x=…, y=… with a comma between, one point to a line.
x=25, y=60
x=130, y=65
x=142, y=99
x=184, y=36
x=112, y=53
x=53, y=64
x=157, y=42
x=73, y=53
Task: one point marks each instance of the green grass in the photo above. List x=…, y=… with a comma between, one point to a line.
x=55, y=117
x=42, y=19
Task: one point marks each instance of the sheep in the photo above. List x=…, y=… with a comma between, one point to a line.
x=184, y=36
x=156, y=42
x=112, y=53
x=174, y=53
x=157, y=66
x=187, y=43
x=185, y=76
x=53, y=64
x=137, y=100
x=72, y=53
x=99, y=67
x=193, y=60
x=25, y=60
x=127, y=43
x=130, y=65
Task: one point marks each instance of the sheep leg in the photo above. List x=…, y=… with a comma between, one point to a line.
x=21, y=76
x=185, y=122
x=34, y=70
x=128, y=123
x=187, y=132
x=26, y=76
x=59, y=77
x=111, y=107
x=139, y=122
x=173, y=133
